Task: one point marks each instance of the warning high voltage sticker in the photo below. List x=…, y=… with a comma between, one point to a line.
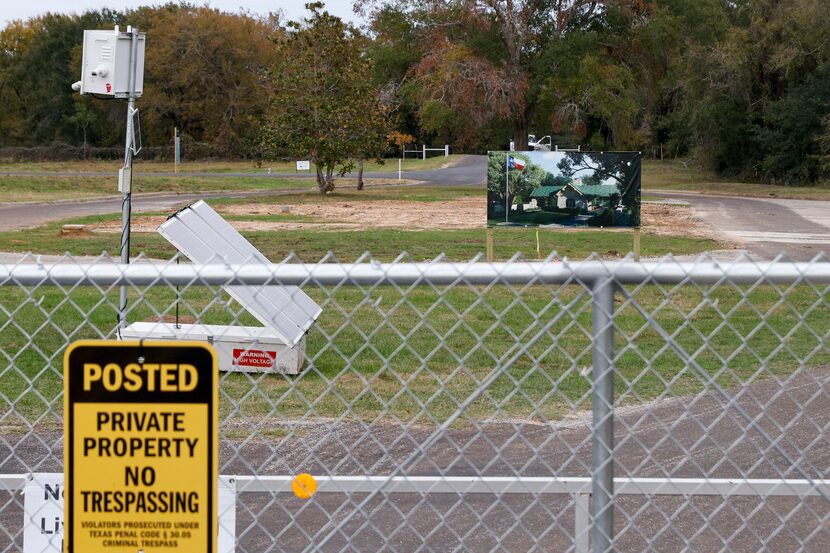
x=140, y=447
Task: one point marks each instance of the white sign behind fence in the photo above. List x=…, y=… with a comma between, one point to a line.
x=43, y=513
x=303, y=166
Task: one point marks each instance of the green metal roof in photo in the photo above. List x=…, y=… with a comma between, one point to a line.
x=545, y=191
x=590, y=190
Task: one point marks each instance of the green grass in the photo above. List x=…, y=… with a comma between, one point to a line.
x=432, y=162
x=44, y=189
x=384, y=244
x=675, y=176
x=414, y=354
x=56, y=188
x=370, y=194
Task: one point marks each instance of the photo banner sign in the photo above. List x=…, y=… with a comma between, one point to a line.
x=563, y=189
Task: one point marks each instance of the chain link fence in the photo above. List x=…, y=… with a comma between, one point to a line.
x=519, y=406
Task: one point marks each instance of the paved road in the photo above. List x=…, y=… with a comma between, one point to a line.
x=468, y=171
x=765, y=227
x=29, y=215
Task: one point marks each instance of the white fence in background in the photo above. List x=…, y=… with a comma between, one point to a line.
x=422, y=153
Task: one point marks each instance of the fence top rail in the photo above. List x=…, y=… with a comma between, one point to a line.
x=666, y=271
x=512, y=484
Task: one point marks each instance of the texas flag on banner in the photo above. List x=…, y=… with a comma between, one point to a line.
x=515, y=163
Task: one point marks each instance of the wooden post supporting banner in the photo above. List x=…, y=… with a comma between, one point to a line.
x=637, y=244
x=489, y=245
x=538, y=246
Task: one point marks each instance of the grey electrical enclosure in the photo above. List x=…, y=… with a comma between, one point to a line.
x=106, y=63
x=205, y=237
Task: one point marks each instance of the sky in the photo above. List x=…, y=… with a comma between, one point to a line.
x=549, y=161
x=293, y=9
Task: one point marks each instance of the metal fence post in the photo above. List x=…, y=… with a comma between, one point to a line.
x=602, y=426
x=582, y=523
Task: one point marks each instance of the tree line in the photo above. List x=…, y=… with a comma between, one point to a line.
x=741, y=86
x=203, y=74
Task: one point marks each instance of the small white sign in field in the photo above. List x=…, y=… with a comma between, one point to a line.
x=304, y=166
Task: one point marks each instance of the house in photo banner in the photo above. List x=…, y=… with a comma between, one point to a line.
x=546, y=196
x=583, y=198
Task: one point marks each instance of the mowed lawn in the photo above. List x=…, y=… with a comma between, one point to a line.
x=245, y=166
x=680, y=177
x=55, y=181
x=413, y=354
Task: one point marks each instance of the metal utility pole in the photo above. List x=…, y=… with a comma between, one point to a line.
x=104, y=76
x=507, y=189
x=126, y=173
x=177, y=149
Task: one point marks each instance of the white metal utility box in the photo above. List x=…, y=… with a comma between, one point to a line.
x=106, y=63
x=286, y=312
x=240, y=348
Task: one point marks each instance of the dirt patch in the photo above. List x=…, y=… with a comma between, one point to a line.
x=676, y=220
x=138, y=223
x=463, y=213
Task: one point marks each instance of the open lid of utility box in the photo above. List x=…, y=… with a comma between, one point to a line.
x=202, y=333
x=204, y=236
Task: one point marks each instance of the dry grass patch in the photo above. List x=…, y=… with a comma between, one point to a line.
x=674, y=220
x=466, y=213
x=462, y=213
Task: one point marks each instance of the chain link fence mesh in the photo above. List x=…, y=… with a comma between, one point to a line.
x=456, y=407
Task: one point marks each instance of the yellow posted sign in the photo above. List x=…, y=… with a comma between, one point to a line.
x=140, y=447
